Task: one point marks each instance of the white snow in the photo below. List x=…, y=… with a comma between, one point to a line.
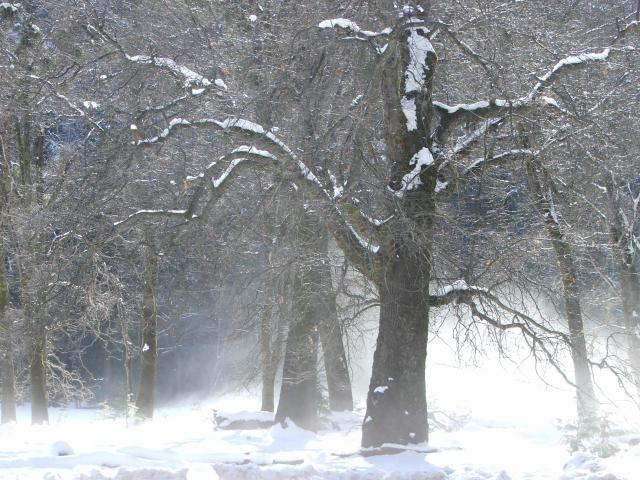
x=145, y=348
x=381, y=389
x=254, y=151
x=165, y=133
x=419, y=49
x=190, y=77
x=441, y=186
x=459, y=286
x=90, y=104
x=61, y=449
x=375, y=221
x=220, y=83
x=10, y=6
x=352, y=26
x=252, y=18
x=507, y=430
x=415, y=74
x=152, y=212
x=411, y=180
x=217, y=182
x=409, y=110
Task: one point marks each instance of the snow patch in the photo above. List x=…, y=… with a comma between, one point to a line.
x=352, y=26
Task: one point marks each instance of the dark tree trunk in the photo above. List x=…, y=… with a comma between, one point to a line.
x=299, y=389
x=542, y=189
x=8, y=396
x=396, y=401
x=335, y=357
x=38, y=376
x=587, y=404
x=146, y=387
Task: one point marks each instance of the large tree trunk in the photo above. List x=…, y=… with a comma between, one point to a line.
x=335, y=358
x=146, y=387
x=396, y=401
x=8, y=396
x=624, y=258
x=299, y=389
x=38, y=375
x=542, y=198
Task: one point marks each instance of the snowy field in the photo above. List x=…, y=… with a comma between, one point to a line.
x=508, y=430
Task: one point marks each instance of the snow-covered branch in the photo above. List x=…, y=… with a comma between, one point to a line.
x=140, y=214
x=209, y=182
x=191, y=79
x=256, y=130
x=352, y=27
x=494, y=107
x=454, y=293
x=357, y=32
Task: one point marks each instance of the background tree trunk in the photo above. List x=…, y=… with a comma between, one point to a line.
x=624, y=258
x=268, y=367
x=8, y=396
x=586, y=401
x=299, y=389
x=335, y=358
x=146, y=388
x=38, y=375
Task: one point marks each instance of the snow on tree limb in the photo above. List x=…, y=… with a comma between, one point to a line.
x=191, y=79
x=453, y=292
x=208, y=182
x=150, y=213
x=351, y=26
x=485, y=108
x=411, y=181
x=252, y=128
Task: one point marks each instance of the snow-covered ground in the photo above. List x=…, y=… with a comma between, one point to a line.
x=508, y=420
x=181, y=443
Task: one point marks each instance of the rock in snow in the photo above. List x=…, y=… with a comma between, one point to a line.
x=61, y=449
